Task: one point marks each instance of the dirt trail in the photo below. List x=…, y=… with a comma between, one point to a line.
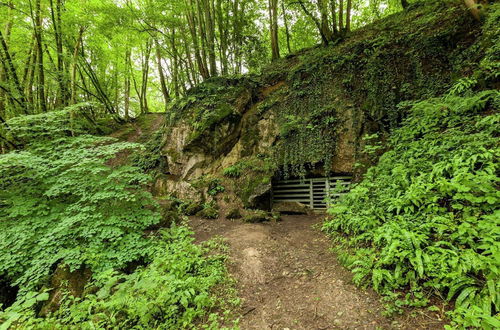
x=140, y=129
x=288, y=279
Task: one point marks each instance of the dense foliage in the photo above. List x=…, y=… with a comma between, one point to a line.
x=62, y=202
x=172, y=292
x=425, y=220
x=70, y=198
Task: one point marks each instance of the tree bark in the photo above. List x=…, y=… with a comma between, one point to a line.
x=273, y=19
x=348, y=16
x=126, y=100
x=287, y=29
x=74, y=67
x=37, y=21
x=163, y=83
x=210, y=35
x=62, y=98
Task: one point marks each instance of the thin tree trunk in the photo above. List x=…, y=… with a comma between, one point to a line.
x=175, y=68
x=127, y=84
x=163, y=83
x=333, y=11
x=326, y=33
x=341, y=16
x=210, y=35
x=203, y=36
x=273, y=20
x=287, y=29
x=62, y=98
x=37, y=21
x=192, y=23
x=74, y=67
x=145, y=76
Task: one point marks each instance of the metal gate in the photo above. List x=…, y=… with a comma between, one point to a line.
x=311, y=192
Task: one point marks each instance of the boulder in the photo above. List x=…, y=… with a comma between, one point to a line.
x=291, y=208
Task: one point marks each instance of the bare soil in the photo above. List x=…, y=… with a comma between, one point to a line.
x=289, y=279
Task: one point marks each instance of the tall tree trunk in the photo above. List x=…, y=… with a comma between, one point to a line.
x=210, y=35
x=62, y=98
x=273, y=20
x=163, y=83
x=223, y=36
x=287, y=29
x=348, y=16
x=175, y=66
x=341, y=16
x=37, y=21
x=192, y=23
x=326, y=33
x=74, y=66
x=333, y=11
x=203, y=35
x=126, y=97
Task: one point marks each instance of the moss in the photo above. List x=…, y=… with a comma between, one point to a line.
x=256, y=216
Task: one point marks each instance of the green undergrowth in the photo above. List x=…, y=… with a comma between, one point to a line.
x=61, y=200
x=69, y=198
x=177, y=290
x=425, y=221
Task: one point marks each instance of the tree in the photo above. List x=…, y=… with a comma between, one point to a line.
x=273, y=28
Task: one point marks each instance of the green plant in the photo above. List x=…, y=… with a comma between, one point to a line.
x=63, y=200
x=425, y=220
x=173, y=292
x=215, y=187
x=233, y=171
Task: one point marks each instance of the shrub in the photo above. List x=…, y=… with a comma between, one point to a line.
x=61, y=200
x=426, y=218
x=172, y=292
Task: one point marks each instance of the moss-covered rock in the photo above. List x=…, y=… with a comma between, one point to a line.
x=256, y=216
x=209, y=212
x=192, y=208
x=233, y=213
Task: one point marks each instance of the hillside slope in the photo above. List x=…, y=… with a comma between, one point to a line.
x=309, y=112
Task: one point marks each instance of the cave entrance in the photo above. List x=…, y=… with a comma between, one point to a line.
x=312, y=192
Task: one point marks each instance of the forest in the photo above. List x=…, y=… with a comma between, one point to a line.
x=249, y=164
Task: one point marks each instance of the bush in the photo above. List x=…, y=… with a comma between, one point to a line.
x=172, y=292
x=426, y=219
x=61, y=200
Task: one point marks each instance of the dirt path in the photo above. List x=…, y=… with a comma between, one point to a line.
x=140, y=129
x=288, y=279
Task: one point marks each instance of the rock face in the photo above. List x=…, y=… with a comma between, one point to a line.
x=311, y=111
x=65, y=281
